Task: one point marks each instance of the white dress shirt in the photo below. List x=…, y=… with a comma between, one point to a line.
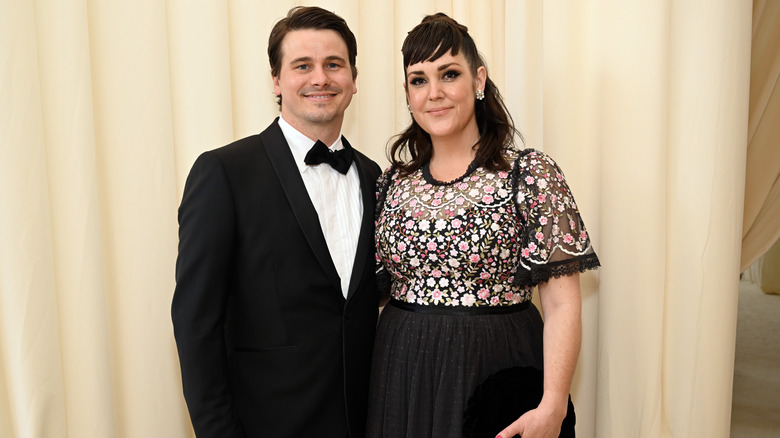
x=336, y=198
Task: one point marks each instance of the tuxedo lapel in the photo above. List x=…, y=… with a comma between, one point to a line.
x=366, y=238
x=283, y=163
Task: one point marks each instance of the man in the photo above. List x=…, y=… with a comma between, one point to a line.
x=276, y=302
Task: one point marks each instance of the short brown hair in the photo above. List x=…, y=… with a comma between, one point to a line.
x=309, y=17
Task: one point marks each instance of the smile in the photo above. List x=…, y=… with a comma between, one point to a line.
x=439, y=111
x=320, y=96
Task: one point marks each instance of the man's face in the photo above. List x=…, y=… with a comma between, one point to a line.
x=315, y=79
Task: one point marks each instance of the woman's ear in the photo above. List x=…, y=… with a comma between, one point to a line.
x=481, y=78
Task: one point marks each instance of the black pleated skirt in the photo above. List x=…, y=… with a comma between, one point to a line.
x=426, y=365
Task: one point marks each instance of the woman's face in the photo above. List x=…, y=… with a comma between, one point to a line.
x=441, y=94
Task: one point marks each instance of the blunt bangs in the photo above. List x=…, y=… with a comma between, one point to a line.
x=430, y=41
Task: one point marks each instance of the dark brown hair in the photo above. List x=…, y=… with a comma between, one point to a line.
x=435, y=36
x=309, y=17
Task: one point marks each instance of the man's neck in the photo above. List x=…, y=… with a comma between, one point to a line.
x=327, y=133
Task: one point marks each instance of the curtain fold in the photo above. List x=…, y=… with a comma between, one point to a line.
x=708, y=106
x=77, y=237
x=31, y=368
x=761, y=227
x=104, y=106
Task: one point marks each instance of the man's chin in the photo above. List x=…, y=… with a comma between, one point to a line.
x=322, y=117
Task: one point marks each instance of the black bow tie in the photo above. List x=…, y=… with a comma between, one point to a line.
x=339, y=160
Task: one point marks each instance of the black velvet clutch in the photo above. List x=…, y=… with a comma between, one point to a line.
x=502, y=398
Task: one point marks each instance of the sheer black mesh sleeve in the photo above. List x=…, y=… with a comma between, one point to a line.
x=384, y=282
x=554, y=242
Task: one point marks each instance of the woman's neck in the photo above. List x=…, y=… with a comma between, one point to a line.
x=452, y=157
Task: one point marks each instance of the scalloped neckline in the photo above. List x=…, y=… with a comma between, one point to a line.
x=428, y=177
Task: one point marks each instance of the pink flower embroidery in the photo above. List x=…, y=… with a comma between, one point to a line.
x=468, y=300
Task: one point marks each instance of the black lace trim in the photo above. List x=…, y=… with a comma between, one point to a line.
x=543, y=273
x=426, y=173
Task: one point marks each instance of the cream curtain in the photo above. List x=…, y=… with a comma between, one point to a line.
x=105, y=105
x=761, y=226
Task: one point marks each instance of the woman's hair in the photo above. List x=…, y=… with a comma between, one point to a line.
x=435, y=36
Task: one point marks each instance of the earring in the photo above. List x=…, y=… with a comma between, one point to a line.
x=409, y=107
x=480, y=94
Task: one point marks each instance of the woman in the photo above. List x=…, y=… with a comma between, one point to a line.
x=466, y=227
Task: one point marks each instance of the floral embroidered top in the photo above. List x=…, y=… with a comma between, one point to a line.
x=484, y=239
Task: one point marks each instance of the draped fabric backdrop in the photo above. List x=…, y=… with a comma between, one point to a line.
x=762, y=184
x=105, y=105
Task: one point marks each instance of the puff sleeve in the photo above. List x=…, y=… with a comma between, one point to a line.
x=383, y=278
x=554, y=240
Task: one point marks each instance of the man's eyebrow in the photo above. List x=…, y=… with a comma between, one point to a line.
x=305, y=59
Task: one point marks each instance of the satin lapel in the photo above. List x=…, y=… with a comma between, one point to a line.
x=290, y=178
x=366, y=238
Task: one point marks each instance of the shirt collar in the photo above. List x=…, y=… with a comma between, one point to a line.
x=300, y=144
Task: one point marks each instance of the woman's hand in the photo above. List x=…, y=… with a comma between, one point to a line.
x=536, y=423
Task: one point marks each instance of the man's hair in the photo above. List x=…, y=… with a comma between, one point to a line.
x=309, y=17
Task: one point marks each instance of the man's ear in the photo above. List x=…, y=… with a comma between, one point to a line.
x=277, y=89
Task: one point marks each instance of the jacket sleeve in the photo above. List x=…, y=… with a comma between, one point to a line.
x=203, y=272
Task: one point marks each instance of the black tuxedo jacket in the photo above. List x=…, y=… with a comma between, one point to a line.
x=267, y=343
